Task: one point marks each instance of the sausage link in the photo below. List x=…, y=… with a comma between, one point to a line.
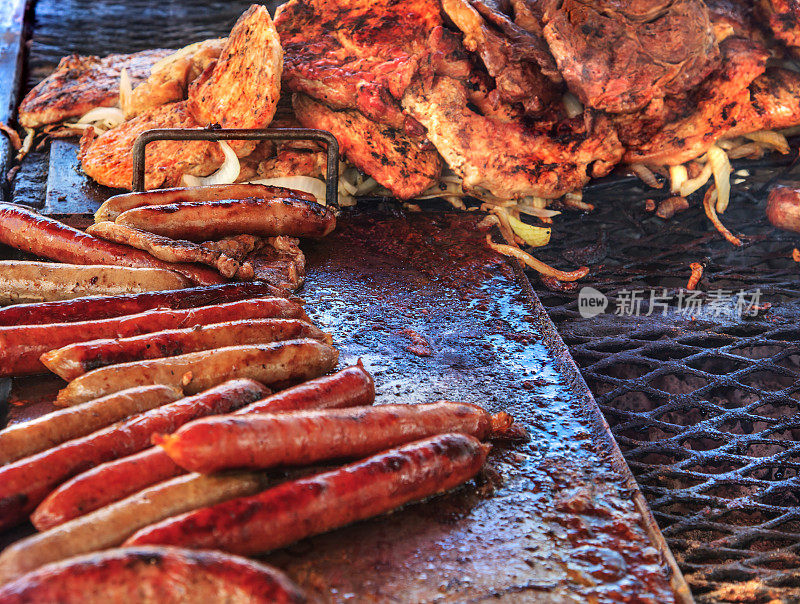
x=25, y=230
x=276, y=363
x=76, y=359
x=352, y=386
x=24, y=439
x=111, y=525
x=104, y=307
x=22, y=346
x=306, y=437
x=116, y=205
x=201, y=221
x=317, y=504
x=25, y=483
x=153, y=574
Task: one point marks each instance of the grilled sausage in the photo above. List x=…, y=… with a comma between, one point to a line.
x=23, y=281
x=153, y=574
x=201, y=221
x=289, y=361
x=25, y=230
x=21, y=346
x=115, y=480
x=306, y=437
x=317, y=504
x=116, y=205
x=104, y=307
x=21, y=440
x=111, y=525
x=783, y=208
x=25, y=483
x=76, y=359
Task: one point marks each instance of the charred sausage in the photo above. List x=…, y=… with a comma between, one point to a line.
x=279, y=362
x=25, y=230
x=76, y=359
x=112, y=481
x=25, y=483
x=111, y=525
x=152, y=574
x=23, y=281
x=23, y=439
x=116, y=205
x=783, y=208
x=306, y=437
x=21, y=346
x=317, y=504
x=202, y=221
x=104, y=307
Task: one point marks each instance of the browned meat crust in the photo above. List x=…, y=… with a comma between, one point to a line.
x=82, y=83
x=363, y=54
x=783, y=19
x=107, y=158
x=508, y=159
x=395, y=160
x=774, y=102
x=691, y=124
x=618, y=56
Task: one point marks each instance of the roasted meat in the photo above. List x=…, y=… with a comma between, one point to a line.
x=395, y=160
x=364, y=54
x=783, y=18
x=688, y=125
x=774, y=102
x=509, y=55
x=108, y=160
x=734, y=18
x=169, y=80
x=511, y=159
x=618, y=56
x=82, y=83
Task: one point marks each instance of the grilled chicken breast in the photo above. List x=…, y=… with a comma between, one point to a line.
x=82, y=83
x=395, y=160
x=108, y=159
x=783, y=18
x=511, y=159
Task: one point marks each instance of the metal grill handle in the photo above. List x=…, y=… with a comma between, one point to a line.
x=226, y=134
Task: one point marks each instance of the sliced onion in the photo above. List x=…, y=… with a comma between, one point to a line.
x=228, y=172
x=186, y=51
x=103, y=118
x=532, y=235
x=771, y=139
x=125, y=91
x=693, y=184
x=306, y=184
x=677, y=176
x=722, y=170
x=572, y=105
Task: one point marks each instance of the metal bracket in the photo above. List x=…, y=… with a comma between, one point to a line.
x=226, y=134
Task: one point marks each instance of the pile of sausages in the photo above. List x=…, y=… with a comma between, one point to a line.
x=183, y=414
x=160, y=240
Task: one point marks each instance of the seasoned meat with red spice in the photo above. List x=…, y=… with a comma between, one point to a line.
x=82, y=83
x=363, y=54
x=618, y=56
x=109, y=161
x=511, y=159
x=395, y=160
x=783, y=19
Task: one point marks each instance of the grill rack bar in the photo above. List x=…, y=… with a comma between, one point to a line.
x=227, y=134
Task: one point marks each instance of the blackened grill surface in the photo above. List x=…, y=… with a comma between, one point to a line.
x=705, y=406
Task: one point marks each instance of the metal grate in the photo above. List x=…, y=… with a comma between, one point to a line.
x=705, y=405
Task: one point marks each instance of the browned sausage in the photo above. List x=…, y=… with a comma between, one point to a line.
x=23, y=439
x=111, y=525
x=116, y=205
x=104, y=307
x=202, y=221
x=309, y=506
x=307, y=437
x=276, y=363
x=153, y=574
x=112, y=481
x=30, y=232
x=76, y=359
x=25, y=483
x=21, y=346
x=783, y=208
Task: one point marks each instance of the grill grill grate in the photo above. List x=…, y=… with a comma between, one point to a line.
x=706, y=408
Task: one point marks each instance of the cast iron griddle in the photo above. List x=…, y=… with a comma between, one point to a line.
x=434, y=315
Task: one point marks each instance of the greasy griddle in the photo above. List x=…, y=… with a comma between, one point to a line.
x=434, y=315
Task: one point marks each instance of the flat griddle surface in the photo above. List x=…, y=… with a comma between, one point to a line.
x=435, y=315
